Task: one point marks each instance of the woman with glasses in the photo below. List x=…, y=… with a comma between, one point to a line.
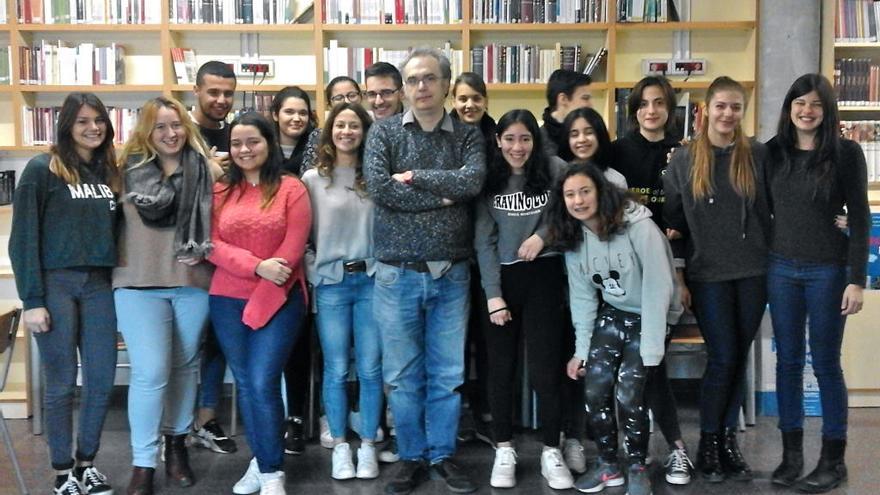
x=340, y=89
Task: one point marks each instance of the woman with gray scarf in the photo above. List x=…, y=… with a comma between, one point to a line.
x=161, y=283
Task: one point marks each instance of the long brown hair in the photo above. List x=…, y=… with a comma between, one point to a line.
x=742, y=165
x=326, y=160
x=65, y=160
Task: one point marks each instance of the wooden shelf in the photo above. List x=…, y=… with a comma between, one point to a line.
x=519, y=87
x=311, y=88
x=686, y=26
x=856, y=44
x=874, y=186
x=238, y=28
x=94, y=88
x=683, y=84
x=373, y=28
x=89, y=28
x=582, y=26
x=873, y=107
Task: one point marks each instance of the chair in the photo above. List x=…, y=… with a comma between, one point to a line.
x=8, y=329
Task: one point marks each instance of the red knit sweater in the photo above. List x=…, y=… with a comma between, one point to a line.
x=244, y=235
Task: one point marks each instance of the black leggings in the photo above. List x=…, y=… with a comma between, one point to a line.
x=614, y=360
x=661, y=402
x=534, y=293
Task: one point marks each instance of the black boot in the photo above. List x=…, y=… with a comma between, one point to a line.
x=177, y=468
x=732, y=460
x=708, y=461
x=792, y=458
x=830, y=472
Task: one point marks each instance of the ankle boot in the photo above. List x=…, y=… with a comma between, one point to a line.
x=792, y=458
x=708, y=461
x=830, y=472
x=177, y=468
x=141, y=481
x=732, y=460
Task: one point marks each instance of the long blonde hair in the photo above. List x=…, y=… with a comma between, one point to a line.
x=742, y=165
x=140, y=144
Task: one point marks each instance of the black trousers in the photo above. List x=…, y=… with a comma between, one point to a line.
x=615, y=361
x=534, y=293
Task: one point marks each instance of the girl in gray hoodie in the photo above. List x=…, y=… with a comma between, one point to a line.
x=620, y=278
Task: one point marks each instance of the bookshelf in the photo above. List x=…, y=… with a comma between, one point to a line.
x=720, y=31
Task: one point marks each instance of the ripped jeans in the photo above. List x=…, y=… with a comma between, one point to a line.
x=614, y=360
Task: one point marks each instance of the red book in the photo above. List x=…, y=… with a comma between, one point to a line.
x=398, y=12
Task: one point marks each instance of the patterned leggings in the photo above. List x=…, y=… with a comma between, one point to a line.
x=614, y=360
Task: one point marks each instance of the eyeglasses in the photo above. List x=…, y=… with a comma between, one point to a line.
x=428, y=79
x=349, y=97
x=384, y=93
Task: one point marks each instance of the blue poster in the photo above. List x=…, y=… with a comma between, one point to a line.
x=874, y=247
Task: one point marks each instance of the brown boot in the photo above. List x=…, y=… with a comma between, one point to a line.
x=141, y=481
x=177, y=468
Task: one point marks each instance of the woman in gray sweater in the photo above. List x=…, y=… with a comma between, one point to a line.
x=524, y=284
x=340, y=265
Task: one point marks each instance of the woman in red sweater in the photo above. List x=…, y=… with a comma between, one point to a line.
x=258, y=299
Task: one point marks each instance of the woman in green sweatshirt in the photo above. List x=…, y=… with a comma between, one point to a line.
x=62, y=247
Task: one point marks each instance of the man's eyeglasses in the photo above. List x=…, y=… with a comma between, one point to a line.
x=384, y=93
x=428, y=79
x=349, y=97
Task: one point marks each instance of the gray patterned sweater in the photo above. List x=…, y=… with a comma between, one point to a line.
x=412, y=223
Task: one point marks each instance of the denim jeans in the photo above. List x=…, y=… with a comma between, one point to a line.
x=729, y=314
x=80, y=304
x=423, y=324
x=257, y=358
x=800, y=289
x=212, y=371
x=162, y=329
x=345, y=312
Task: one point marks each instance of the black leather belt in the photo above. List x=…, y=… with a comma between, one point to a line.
x=416, y=266
x=354, y=266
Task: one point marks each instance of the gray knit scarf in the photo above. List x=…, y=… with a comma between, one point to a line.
x=182, y=200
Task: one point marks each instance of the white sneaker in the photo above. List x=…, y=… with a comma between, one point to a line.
x=272, y=483
x=554, y=469
x=368, y=463
x=573, y=453
x=250, y=482
x=504, y=468
x=343, y=468
x=326, y=438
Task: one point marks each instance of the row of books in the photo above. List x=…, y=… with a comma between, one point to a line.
x=391, y=11
x=88, y=11
x=538, y=11
x=239, y=11
x=521, y=63
x=82, y=64
x=857, y=81
x=867, y=134
x=647, y=10
x=352, y=62
x=857, y=20
x=38, y=124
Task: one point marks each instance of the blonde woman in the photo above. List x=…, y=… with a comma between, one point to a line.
x=161, y=283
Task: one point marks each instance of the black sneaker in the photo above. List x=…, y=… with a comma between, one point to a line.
x=456, y=479
x=93, y=482
x=211, y=436
x=294, y=441
x=410, y=475
x=679, y=467
x=70, y=486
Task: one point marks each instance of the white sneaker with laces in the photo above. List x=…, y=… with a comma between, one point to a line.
x=70, y=487
x=678, y=467
x=573, y=453
x=368, y=463
x=342, y=466
x=326, y=438
x=504, y=468
x=554, y=469
x=272, y=483
x=250, y=482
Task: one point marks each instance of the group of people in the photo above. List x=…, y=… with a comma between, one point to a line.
x=377, y=221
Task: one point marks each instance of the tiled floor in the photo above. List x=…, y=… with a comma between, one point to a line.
x=310, y=473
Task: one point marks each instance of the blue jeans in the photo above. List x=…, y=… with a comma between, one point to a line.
x=800, y=289
x=257, y=358
x=213, y=369
x=80, y=305
x=162, y=329
x=345, y=310
x=423, y=324
x=729, y=314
